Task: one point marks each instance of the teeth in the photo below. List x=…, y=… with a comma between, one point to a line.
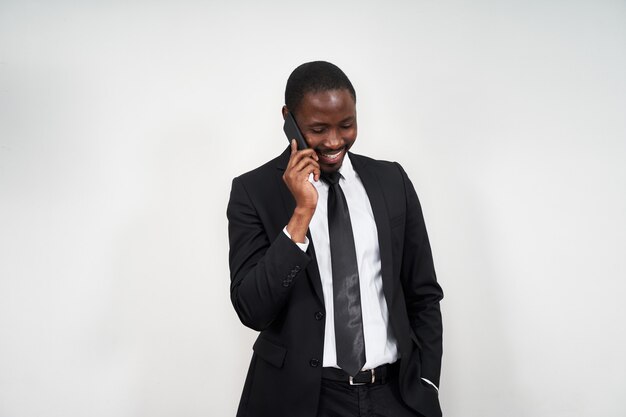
x=333, y=155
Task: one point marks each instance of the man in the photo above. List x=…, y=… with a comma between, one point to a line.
x=331, y=262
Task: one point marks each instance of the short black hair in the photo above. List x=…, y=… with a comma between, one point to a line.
x=314, y=77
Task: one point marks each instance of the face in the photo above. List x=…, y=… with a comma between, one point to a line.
x=327, y=120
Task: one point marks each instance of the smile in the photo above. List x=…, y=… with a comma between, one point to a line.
x=332, y=156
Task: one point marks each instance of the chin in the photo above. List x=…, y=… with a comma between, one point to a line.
x=332, y=168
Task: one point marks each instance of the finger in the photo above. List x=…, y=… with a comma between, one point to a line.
x=297, y=156
x=305, y=167
x=316, y=174
x=308, y=152
x=301, y=160
x=311, y=152
x=294, y=150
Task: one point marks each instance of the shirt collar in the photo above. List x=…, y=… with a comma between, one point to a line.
x=347, y=170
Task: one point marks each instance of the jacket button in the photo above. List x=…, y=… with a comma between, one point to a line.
x=314, y=363
x=319, y=315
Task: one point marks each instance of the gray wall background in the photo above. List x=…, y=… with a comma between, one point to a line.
x=123, y=123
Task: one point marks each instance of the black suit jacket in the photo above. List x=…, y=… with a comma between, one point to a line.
x=276, y=289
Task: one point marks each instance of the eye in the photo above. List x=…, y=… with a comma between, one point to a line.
x=346, y=126
x=318, y=130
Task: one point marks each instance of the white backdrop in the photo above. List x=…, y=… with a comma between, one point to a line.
x=123, y=123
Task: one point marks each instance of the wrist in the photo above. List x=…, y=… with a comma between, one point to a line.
x=299, y=223
x=304, y=212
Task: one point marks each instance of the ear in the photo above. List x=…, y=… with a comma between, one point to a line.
x=285, y=110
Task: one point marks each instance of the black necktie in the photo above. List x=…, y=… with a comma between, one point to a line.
x=346, y=292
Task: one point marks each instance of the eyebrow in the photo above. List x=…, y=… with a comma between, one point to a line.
x=347, y=119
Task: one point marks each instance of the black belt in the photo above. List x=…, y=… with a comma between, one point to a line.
x=378, y=375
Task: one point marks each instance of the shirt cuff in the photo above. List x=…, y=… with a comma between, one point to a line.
x=428, y=382
x=303, y=246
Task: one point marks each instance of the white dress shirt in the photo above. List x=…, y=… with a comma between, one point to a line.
x=380, y=342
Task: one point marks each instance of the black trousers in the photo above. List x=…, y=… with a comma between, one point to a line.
x=339, y=399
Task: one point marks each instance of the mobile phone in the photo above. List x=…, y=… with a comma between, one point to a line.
x=293, y=132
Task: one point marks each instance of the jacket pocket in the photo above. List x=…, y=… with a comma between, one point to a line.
x=270, y=352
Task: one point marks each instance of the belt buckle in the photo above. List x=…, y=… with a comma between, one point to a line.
x=372, y=371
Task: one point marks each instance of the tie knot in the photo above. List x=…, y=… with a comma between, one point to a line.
x=331, y=178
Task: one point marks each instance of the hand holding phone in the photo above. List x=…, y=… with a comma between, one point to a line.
x=300, y=172
x=292, y=131
x=299, y=162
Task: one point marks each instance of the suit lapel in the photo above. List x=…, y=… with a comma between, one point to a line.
x=374, y=191
x=289, y=205
x=392, y=288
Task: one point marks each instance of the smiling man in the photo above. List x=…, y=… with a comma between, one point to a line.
x=330, y=261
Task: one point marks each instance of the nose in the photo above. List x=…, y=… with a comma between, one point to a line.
x=334, y=140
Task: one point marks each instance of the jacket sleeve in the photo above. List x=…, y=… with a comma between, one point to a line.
x=262, y=271
x=422, y=292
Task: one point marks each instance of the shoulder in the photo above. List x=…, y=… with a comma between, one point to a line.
x=262, y=187
x=383, y=169
x=392, y=180
x=260, y=176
